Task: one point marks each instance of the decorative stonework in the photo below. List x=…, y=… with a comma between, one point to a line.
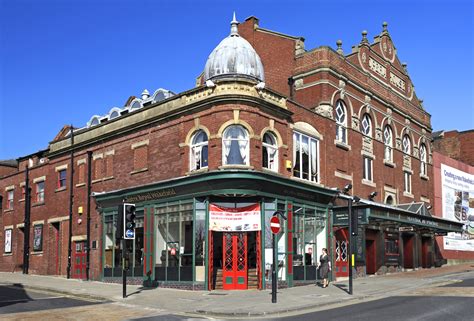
x=324, y=110
x=377, y=68
x=299, y=83
x=378, y=134
x=398, y=143
x=415, y=152
x=355, y=123
x=397, y=81
x=367, y=145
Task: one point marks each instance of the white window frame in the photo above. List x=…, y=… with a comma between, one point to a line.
x=226, y=149
x=341, y=122
x=313, y=156
x=367, y=130
x=388, y=142
x=407, y=183
x=196, y=149
x=267, y=148
x=406, y=144
x=423, y=163
x=10, y=199
x=367, y=170
x=39, y=192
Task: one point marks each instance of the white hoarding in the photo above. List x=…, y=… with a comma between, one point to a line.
x=458, y=205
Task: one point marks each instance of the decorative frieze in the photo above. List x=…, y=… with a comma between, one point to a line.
x=367, y=145
x=377, y=68
x=406, y=162
x=324, y=110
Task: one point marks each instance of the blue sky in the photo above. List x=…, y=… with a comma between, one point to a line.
x=63, y=61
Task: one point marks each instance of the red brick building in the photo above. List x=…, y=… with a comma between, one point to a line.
x=207, y=168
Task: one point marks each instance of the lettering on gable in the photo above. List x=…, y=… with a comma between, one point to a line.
x=377, y=68
x=397, y=81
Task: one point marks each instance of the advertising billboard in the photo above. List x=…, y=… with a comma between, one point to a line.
x=458, y=205
x=234, y=219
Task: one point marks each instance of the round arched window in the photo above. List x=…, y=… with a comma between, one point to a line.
x=199, y=150
x=270, y=151
x=235, y=146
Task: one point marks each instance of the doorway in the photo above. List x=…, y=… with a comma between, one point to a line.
x=341, y=255
x=426, y=252
x=370, y=256
x=234, y=260
x=79, y=268
x=408, y=251
x=56, y=248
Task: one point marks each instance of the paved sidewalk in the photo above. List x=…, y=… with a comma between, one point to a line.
x=250, y=303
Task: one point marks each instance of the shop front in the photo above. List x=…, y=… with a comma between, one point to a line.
x=389, y=238
x=212, y=231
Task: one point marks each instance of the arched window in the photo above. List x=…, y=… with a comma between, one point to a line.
x=270, y=152
x=95, y=120
x=235, y=146
x=341, y=122
x=388, y=141
x=423, y=167
x=406, y=144
x=389, y=200
x=199, y=150
x=114, y=114
x=305, y=157
x=135, y=105
x=367, y=125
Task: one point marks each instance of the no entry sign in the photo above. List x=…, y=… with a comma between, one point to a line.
x=275, y=225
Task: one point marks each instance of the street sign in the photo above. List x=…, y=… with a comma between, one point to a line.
x=130, y=234
x=275, y=225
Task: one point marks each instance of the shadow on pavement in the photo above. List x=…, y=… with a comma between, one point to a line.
x=342, y=287
x=140, y=290
x=13, y=294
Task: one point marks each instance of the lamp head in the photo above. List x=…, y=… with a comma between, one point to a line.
x=347, y=188
x=372, y=195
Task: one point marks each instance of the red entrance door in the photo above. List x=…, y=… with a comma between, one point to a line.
x=341, y=255
x=234, y=270
x=408, y=251
x=79, y=269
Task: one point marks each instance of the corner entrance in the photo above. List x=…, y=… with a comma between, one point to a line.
x=234, y=263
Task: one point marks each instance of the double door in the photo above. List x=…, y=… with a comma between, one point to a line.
x=79, y=266
x=234, y=269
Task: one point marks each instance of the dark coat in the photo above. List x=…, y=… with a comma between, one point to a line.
x=324, y=266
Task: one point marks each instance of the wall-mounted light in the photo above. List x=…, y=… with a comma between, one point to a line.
x=372, y=195
x=347, y=188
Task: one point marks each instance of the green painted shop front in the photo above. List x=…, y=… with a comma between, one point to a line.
x=175, y=245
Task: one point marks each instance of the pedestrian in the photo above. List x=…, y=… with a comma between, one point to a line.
x=324, y=267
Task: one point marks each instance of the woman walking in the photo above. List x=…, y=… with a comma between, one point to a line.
x=324, y=267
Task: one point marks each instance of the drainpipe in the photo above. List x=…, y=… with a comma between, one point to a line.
x=291, y=83
x=71, y=198
x=89, y=183
x=26, y=234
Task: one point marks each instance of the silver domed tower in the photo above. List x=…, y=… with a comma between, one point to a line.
x=234, y=56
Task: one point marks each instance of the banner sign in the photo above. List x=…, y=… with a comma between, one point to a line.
x=8, y=241
x=38, y=237
x=234, y=219
x=458, y=205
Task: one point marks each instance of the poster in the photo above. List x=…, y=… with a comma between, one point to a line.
x=458, y=205
x=8, y=241
x=38, y=238
x=234, y=219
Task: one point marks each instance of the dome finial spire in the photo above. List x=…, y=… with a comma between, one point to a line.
x=233, y=26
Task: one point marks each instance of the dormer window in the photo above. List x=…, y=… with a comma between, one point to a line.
x=136, y=104
x=95, y=120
